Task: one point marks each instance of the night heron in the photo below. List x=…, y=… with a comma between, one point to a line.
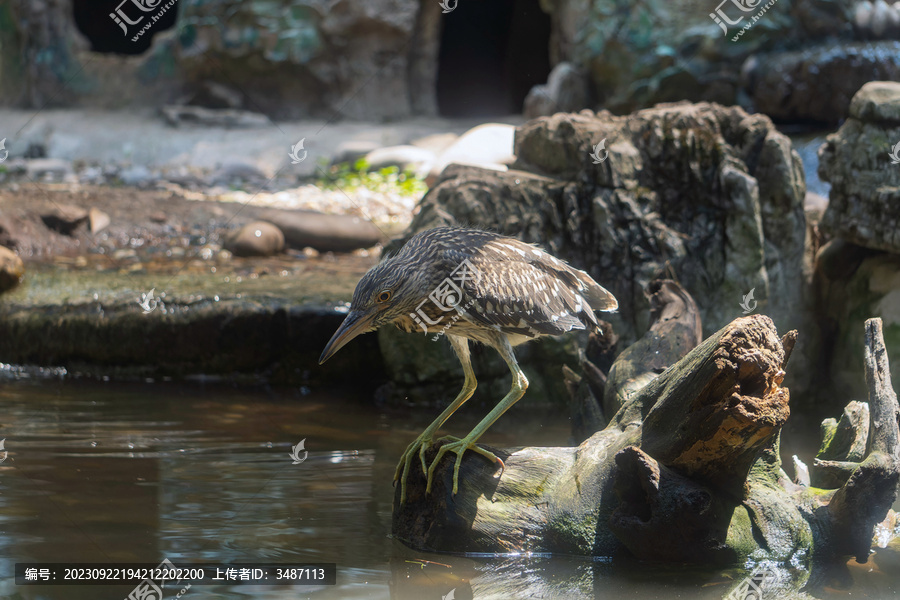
x=470, y=285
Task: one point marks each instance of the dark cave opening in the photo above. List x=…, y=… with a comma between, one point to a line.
x=123, y=26
x=492, y=52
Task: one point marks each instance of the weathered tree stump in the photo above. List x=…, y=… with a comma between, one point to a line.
x=687, y=470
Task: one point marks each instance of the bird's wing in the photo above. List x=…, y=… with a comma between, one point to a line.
x=523, y=290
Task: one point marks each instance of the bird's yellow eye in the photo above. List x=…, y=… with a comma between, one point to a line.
x=384, y=296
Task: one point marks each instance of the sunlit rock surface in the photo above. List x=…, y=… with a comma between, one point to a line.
x=858, y=273
x=862, y=163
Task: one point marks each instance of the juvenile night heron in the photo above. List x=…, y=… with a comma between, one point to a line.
x=470, y=285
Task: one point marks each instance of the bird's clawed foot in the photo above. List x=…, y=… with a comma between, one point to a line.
x=459, y=448
x=421, y=444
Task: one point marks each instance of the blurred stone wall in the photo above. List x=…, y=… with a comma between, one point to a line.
x=378, y=59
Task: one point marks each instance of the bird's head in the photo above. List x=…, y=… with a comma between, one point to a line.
x=387, y=292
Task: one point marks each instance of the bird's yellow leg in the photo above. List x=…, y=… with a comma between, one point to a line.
x=459, y=447
x=423, y=442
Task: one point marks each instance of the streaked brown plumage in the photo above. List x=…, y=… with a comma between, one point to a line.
x=471, y=285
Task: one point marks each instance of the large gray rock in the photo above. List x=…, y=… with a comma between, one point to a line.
x=707, y=195
x=817, y=83
x=864, y=203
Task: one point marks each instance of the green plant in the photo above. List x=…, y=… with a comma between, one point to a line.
x=347, y=177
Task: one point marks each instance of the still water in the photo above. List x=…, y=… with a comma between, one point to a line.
x=111, y=472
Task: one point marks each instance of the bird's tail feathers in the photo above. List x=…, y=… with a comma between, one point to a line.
x=597, y=296
x=600, y=299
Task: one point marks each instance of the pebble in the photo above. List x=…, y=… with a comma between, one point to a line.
x=12, y=270
x=97, y=220
x=258, y=238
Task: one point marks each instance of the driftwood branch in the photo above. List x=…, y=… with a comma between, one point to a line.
x=705, y=418
x=865, y=499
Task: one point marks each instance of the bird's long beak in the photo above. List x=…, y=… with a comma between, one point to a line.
x=355, y=324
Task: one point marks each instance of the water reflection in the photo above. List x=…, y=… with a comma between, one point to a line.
x=135, y=473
